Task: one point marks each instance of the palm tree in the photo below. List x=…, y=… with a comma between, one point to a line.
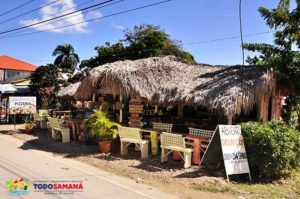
x=66, y=58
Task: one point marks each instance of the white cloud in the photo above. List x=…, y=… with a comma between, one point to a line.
x=94, y=14
x=57, y=9
x=120, y=27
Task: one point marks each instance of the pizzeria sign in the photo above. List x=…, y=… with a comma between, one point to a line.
x=22, y=105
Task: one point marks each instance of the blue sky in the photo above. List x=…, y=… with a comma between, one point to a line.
x=189, y=21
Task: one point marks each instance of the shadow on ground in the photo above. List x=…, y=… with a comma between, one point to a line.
x=41, y=140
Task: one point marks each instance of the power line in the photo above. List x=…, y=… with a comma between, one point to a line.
x=20, y=6
x=79, y=5
x=70, y=13
x=30, y=11
x=53, y=15
x=241, y=31
x=93, y=19
x=41, y=25
x=227, y=38
x=242, y=46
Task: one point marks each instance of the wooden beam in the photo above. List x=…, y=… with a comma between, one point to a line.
x=121, y=109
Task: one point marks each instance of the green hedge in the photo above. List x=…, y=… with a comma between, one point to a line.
x=273, y=148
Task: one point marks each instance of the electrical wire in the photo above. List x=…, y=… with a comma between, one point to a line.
x=90, y=20
x=42, y=25
x=241, y=31
x=16, y=8
x=40, y=22
x=242, y=46
x=77, y=6
x=30, y=11
x=227, y=38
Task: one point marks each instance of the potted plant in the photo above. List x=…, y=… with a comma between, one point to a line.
x=100, y=127
x=29, y=125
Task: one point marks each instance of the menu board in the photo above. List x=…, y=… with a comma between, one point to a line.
x=227, y=145
x=233, y=149
x=135, y=109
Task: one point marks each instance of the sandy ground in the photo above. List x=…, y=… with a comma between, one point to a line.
x=169, y=177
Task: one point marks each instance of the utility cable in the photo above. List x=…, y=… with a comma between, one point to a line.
x=16, y=8
x=30, y=11
x=40, y=22
x=227, y=38
x=90, y=20
x=243, y=51
x=241, y=31
x=86, y=11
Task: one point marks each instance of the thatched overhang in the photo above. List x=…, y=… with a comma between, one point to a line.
x=69, y=91
x=223, y=89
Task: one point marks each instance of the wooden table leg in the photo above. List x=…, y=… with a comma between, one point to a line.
x=154, y=143
x=74, y=131
x=196, y=151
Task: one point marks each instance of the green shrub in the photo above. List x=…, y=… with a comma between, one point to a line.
x=273, y=148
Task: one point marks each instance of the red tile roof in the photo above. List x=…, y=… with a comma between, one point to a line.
x=10, y=63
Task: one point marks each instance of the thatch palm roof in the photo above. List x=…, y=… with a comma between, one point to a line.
x=170, y=80
x=68, y=91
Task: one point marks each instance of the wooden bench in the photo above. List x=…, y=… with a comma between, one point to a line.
x=163, y=126
x=56, y=127
x=205, y=134
x=36, y=119
x=132, y=136
x=43, y=112
x=62, y=114
x=173, y=142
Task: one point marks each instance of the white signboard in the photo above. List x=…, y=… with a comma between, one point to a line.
x=233, y=149
x=22, y=105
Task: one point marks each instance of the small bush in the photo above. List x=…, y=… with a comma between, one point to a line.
x=273, y=148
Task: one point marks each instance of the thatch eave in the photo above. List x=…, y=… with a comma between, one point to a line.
x=168, y=80
x=69, y=91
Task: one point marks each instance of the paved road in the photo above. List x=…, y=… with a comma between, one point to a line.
x=18, y=160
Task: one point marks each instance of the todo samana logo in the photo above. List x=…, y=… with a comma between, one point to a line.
x=17, y=186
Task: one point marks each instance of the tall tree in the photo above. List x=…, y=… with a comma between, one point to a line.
x=66, y=58
x=141, y=42
x=283, y=55
x=45, y=84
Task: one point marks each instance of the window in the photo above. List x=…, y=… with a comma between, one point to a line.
x=11, y=73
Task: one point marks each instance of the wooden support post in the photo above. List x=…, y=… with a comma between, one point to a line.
x=155, y=108
x=94, y=97
x=263, y=109
x=229, y=119
x=121, y=109
x=180, y=110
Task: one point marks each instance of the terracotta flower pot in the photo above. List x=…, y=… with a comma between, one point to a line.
x=105, y=146
x=29, y=128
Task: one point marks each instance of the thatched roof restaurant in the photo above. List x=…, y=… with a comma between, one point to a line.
x=170, y=80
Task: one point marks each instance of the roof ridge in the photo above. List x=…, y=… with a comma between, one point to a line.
x=11, y=63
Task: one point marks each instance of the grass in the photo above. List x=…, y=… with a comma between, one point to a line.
x=285, y=188
x=213, y=189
